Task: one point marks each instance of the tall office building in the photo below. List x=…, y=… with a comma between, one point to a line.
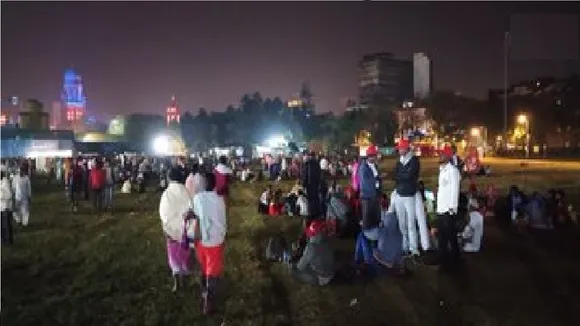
x=384, y=79
x=56, y=115
x=421, y=75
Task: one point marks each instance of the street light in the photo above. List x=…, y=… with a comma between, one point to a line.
x=475, y=132
x=522, y=119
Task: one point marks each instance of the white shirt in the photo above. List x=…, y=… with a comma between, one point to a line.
x=175, y=202
x=302, y=204
x=324, y=164
x=473, y=232
x=21, y=186
x=6, y=195
x=448, y=189
x=211, y=211
x=264, y=197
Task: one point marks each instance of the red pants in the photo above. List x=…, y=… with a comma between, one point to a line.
x=211, y=259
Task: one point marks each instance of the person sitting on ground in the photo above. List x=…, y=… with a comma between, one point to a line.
x=561, y=217
x=297, y=187
x=316, y=265
x=473, y=232
x=265, y=199
x=276, y=203
x=337, y=211
x=536, y=210
x=302, y=204
x=490, y=200
x=389, y=252
x=516, y=203
x=246, y=174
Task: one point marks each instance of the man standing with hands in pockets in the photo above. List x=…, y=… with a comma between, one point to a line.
x=447, y=206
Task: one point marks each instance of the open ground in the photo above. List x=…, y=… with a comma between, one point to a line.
x=110, y=269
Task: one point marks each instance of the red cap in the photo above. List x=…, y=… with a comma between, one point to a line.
x=403, y=144
x=447, y=151
x=314, y=228
x=372, y=150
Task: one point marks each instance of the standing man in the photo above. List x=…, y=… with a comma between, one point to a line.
x=406, y=186
x=97, y=180
x=447, y=205
x=311, y=176
x=370, y=188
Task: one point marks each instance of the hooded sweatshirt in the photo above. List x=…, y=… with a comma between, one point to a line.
x=174, y=204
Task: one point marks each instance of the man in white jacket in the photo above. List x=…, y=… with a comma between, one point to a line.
x=22, y=195
x=447, y=206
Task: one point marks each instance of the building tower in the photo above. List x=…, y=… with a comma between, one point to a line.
x=172, y=114
x=422, y=76
x=73, y=99
x=384, y=79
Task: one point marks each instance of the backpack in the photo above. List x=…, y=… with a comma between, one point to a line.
x=275, y=248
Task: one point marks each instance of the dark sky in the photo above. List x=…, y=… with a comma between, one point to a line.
x=133, y=56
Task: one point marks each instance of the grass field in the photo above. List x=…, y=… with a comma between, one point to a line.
x=111, y=269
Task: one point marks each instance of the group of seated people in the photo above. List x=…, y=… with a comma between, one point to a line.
x=311, y=258
x=539, y=212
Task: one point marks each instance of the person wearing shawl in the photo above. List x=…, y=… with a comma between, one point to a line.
x=194, y=182
x=174, y=206
x=389, y=252
x=222, y=175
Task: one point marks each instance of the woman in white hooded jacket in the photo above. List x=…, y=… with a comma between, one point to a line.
x=173, y=208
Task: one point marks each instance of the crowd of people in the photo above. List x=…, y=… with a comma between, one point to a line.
x=389, y=227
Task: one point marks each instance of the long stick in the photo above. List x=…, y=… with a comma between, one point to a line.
x=505, y=84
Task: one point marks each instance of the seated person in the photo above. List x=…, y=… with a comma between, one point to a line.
x=490, y=200
x=246, y=175
x=516, y=202
x=316, y=265
x=389, y=252
x=473, y=231
x=336, y=213
x=126, y=189
x=536, y=210
x=276, y=204
x=302, y=204
x=297, y=188
x=265, y=199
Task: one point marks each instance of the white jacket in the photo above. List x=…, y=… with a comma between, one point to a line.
x=21, y=186
x=448, y=189
x=175, y=202
x=5, y=195
x=211, y=211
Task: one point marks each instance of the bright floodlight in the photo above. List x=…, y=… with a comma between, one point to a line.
x=276, y=141
x=522, y=119
x=161, y=145
x=475, y=132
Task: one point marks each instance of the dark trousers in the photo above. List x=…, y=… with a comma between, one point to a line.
x=447, y=238
x=371, y=214
x=7, y=235
x=313, y=205
x=262, y=208
x=98, y=199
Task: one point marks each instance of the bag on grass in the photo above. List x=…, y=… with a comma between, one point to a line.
x=276, y=248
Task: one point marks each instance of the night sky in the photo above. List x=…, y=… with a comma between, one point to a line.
x=133, y=56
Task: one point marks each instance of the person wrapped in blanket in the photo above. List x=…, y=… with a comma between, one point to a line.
x=175, y=204
x=388, y=256
x=315, y=265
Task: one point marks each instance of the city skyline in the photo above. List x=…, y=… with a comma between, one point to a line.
x=134, y=56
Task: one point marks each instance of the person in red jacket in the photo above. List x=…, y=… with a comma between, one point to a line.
x=97, y=183
x=222, y=176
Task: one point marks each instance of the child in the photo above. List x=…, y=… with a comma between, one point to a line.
x=210, y=210
x=473, y=231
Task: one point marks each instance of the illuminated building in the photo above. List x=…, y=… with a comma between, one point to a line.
x=11, y=106
x=56, y=115
x=422, y=75
x=73, y=98
x=172, y=114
